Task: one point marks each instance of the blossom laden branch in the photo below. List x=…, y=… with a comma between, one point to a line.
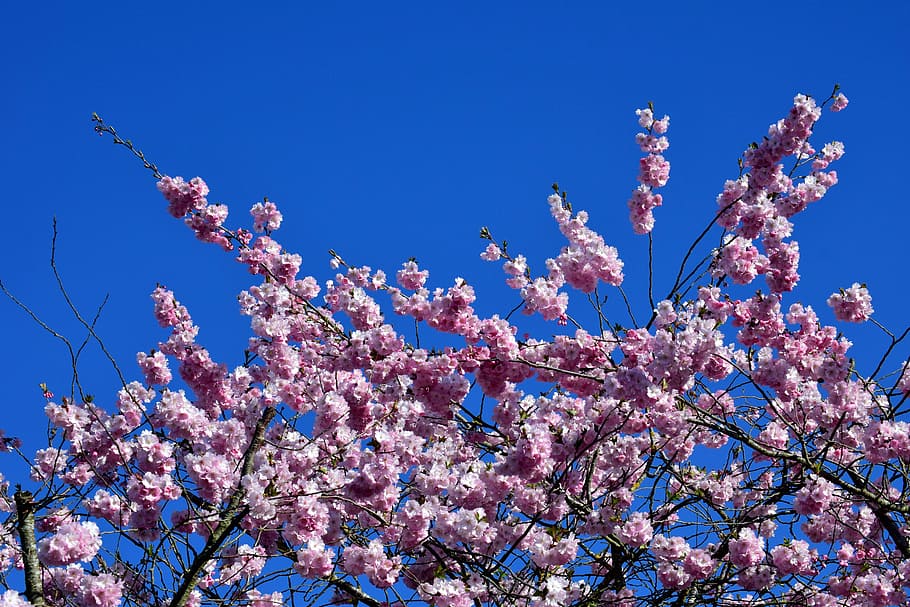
x=728, y=446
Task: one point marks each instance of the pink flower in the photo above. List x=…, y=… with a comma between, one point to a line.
x=641, y=205
x=654, y=170
x=903, y=382
x=381, y=570
x=243, y=561
x=755, y=578
x=491, y=253
x=266, y=216
x=543, y=296
x=840, y=102
x=699, y=564
x=636, y=531
x=257, y=599
x=314, y=560
x=110, y=507
x=411, y=277
x=74, y=541
x=443, y=592
x=213, y=474
x=814, y=497
x=794, y=558
x=183, y=196
x=587, y=259
x=884, y=440
x=673, y=576
x=645, y=117
x=154, y=367
x=739, y=260
x=669, y=548
x=102, y=590
x=747, y=549
x=149, y=489
x=853, y=304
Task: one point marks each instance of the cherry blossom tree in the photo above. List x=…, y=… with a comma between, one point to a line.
x=726, y=451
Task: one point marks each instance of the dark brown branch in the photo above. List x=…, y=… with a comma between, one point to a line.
x=25, y=525
x=358, y=595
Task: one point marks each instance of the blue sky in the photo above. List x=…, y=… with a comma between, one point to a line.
x=391, y=131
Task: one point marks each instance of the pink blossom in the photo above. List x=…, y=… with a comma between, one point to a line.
x=652, y=144
x=543, y=296
x=181, y=417
x=699, y=564
x=746, y=550
x=410, y=276
x=853, y=304
x=110, y=507
x=794, y=558
x=381, y=570
x=48, y=462
x=814, y=497
x=669, y=548
x=102, y=590
x=153, y=455
x=150, y=488
x=491, y=253
x=213, y=473
x=266, y=216
x=903, y=382
x=673, y=576
x=641, y=205
x=645, y=117
x=545, y=552
x=314, y=560
x=466, y=526
x=661, y=126
x=783, y=260
x=207, y=223
x=516, y=267
x=587, y=259
x=654, y=171
x=758, y=577
x=258, y=599
x=840, y=102
x=636, y=531
x=154, y=367
x=739, y=260
x=183, y=196
x=378, y=466
x=443, y=592
x=831, y=152
x=243, y=561
x=884, y=440
x=74, y=541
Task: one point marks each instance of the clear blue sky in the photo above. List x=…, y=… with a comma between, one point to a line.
x=388, y=131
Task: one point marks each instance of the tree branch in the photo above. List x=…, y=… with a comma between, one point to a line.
x=25, y=525
x=230, y=518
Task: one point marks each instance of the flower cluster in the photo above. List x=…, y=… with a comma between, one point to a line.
x=853, y=304
x=654, y=170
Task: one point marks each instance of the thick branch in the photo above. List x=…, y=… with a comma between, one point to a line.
x=230, y=518
x=884, y=518
x=354, y=592
x=25, y=525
